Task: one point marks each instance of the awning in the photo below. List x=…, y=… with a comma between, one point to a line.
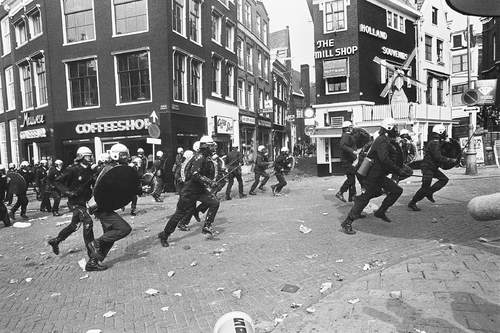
x=327, y=132
x=437, y=74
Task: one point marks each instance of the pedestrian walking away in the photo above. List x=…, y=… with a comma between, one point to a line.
x=260, y=167
x=376, y=179
x=433, y=160
x=197, y=188
x=76, y=183
x=41, y=182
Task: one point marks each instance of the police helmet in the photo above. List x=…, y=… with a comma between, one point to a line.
x=12, y=166
x=346, y=124
x=206, y=142
x=261, y=148
x=439, y=129
x=137, y=161
x=284, y=150
x=180, y=150
x=58, y=162
x=140, y=151
x=404, y=131
x=82, y=152
x=25, y=164
x=159, y=154
x=42, y=162
x=196, y=146
x=388, y=124
x=188, y=154
x=119, y=152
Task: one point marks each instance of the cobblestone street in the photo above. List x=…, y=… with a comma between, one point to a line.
x=259, y=250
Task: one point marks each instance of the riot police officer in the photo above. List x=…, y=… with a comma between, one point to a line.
x=376, y=179
x=196, y=188
x=53, y=175
x=18, y=185
x=430, y=167
x=76, y=183
x=261, y=164
x=348, y=156
x=41, y=182
x=280, y=165
x=4, y=216
x=234, y=161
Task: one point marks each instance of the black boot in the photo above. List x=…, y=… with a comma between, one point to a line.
x=340, y=196
x=207, y=230
x=94, y=266
x=12, y=215
x=95, y=250
x=381, y=215
x=183, y=227
x=413, y=206
x=430, y=197
x=56, y=213
x=347, y=226
x=133, y=212
x=163, y=238
x=54, y=242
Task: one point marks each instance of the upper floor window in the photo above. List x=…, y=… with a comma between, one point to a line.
x=35, y=23
x=196, y=73
x=194, y=21
x=439, y=51
x=240, y=11
x=41, y=81
x=334, y=16
x=230, y=82
x=239, y=52
x=180, y=77
x=259, y=63
x=26, y=85
x=337, y=80
x=229, y=36
x=82, y=83
x=249, y=59
x=178, y=16
x=458, y=41
x=241, y=94
x=428, y=48
x=457, y=92
x=134, y=84
x=459, y=63
x=130, y=16
x=2, y=108
x=216, y=27
x=21, y=33
x=494, y=47
x=264, y=32
x=266, y=68
x=250, y=97
x=396, y=21
x=258, y=26
x=5, y=26
x=216, y=76
x=248, y=15
x=434, y=15
x=78, y=20
x=9, y=86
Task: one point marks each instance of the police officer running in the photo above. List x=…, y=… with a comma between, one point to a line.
x=376, y=179
x=280, y=165
x=234, y=161
x=76, y=183
x=430, y=167
x=348, y=156
x=261, y=164
x=4, y=216
x=18, y=185
x=196, y=188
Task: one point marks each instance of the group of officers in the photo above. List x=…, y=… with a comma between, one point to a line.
x=389, y=152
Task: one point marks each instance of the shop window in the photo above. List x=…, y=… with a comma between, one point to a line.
x=336, y=75
x=178, y=16
x=35, y=23
x=396, y=21
x=78, y=23
x=216, y=27
x=180, y=77
x=457, y=92
x=196, y=78
x=459, y=63
x=229, y=36
x=82, y=83
x=41, y=82
x=194, y=21
x=241, y=94
x=134, y=83
x=216, y=76
x=21, y=33
x=130, y=16
x=428, y=48
x=230, y=82
x=5, y=26
x=334, y=16
x=9, y=85
x=26, y=85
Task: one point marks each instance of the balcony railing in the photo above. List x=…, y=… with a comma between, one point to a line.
x=406, y=111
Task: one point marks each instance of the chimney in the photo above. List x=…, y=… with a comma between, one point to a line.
x=305, y=83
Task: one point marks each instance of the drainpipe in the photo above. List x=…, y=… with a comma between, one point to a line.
x=470, y=155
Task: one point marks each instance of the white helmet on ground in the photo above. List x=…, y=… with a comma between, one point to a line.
x=235, y=321
x=388, y=123
x=261, y=148
x=119, y=152
x=439, y=129
x=346, y=124
x=196, y=146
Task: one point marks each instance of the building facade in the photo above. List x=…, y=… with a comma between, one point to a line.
x=280, y=106
x=254, y=85
x=490, y=68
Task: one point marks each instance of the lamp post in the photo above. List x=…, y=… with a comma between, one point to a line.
x=470, y=154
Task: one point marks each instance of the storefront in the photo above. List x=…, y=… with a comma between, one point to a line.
x=223, y=125
x=279, y=138
x=247, y=136
x=264, y=134
x=35, y=136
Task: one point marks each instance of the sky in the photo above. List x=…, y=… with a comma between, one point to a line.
x=295, y=14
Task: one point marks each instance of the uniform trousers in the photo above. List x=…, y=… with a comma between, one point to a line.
x=426, y=189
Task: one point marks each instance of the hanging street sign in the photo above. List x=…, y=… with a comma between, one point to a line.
x=470, y=97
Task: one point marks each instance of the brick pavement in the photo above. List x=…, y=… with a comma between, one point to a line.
x=263, y=251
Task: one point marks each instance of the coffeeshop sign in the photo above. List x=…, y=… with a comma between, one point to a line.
x=325, y=48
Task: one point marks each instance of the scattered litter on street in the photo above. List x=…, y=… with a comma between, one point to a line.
x=43, y=253
x=353, y=301
x=63, y=223
x=311, y=256
x=395, y=294
x=305, y=230
x=186, y=247
x=29, y=279
x=236, y=293
x=338, y=277
x=165, y=308
x=73, y=250
x=21, y=225
x=12, y=281
x=194, y=263
x=82, y=263
x=84, y=277
x=434, y=220
x=310, y=310
x=339, y=260
x=325, y=213
x=109, y=314
x=280, y=319
x=265, y=327
x=290, y=288
x=295, y=305
x=325, y=286
x=152, y=292
x=170, y=274
x=220, y=289
x=218, y=252
x=55, y=294
x=373, y=264
x=419, y=331
x=331, y=189
x=94, y=331
x=178, y=294
x=370, y=208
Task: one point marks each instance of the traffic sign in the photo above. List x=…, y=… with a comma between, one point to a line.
x=154, y=131
x=153, y=141
x=154, y=118
x=470, y=97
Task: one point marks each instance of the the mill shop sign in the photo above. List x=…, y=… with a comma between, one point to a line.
x=30, y=121
x=325, y=48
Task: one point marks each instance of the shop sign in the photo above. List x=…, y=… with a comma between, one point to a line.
x=268, y=106
x=28, y=120
x=224, y=125
x=394, y=53
x=264, y=123
x=487, y=91
x=113, y=126
x=33, y=133
x=247, y=120
x=372, y=31
x=324, y=49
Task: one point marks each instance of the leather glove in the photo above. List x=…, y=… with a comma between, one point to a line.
x=405, y=171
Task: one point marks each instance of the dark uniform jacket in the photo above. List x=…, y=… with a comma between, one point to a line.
x=280, y=164
x=40, y=178
x=176, y=168
x=234, y=160
x=261, y=163
x=201, y=172
x=52, y=176
x=432, y=154
x=76, y=182
x=382, y=152
x=347, y=147
x=409, y=150
x=3, y=187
